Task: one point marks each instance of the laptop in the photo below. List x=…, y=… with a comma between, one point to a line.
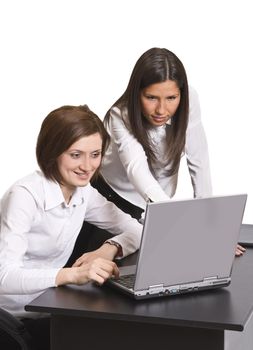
x=246, y=235
x=187, y=246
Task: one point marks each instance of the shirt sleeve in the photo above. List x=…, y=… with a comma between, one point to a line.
x=108, y=216
x=17, y=213
x=196, y=149
x=134, y=160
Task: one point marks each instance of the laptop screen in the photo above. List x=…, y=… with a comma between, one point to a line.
x=189, y=240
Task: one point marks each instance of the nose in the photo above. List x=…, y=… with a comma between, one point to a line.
x=85, y=164
x=161, y=108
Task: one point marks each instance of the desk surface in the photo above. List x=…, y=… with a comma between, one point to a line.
x=226, y=308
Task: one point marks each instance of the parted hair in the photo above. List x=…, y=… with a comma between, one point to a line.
x=154, y=66
x=59, y=130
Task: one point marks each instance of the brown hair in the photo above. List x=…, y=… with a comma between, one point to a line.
x=59, y=130
x=154, y=66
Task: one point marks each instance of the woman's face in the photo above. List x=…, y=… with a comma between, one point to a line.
x=78, y=164
x=159, y=102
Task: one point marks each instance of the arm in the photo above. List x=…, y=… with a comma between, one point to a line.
x=197, y=150
x=134, y=160
x=18, y=211
x=20, y=271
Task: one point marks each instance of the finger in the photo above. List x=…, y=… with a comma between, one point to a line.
x=81, y=260
x=108, y=269
x=115, y=271
x=93, y=276
x=241, y=248
x=111, y=267
x=238, y=252
x=77, y=263
x=100, y=275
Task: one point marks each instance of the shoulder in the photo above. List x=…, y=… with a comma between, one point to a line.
x=32, y=182
x=119, y=112
x=194, y=108
x=119, y=116
x=193, y=96
x=28, y=189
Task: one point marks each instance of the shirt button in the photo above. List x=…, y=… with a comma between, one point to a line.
x=74, y=205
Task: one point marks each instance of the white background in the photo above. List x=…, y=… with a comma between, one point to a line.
x=75, y=52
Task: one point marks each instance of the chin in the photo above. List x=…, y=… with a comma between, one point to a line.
x=83, y=183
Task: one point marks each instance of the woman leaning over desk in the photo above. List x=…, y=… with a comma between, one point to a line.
x=152, y=125
x=42, y=214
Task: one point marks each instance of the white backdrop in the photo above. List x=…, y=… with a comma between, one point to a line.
x=75, y=52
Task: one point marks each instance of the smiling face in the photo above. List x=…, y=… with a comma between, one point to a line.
x=78, y=164
x=160, y=101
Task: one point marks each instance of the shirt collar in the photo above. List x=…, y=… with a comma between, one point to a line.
x=54, y=196
x=79, y=195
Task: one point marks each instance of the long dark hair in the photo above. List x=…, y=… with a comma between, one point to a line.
x=154, y=66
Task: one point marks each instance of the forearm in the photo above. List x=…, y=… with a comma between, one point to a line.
x=26, y=281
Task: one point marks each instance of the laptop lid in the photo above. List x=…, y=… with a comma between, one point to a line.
x=188, y=245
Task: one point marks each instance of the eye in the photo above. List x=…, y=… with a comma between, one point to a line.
x=151, y=97
x=96, y=154
x=171, y=98
x=75, y=155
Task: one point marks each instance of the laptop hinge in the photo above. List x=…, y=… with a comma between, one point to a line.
x=210, y=278
x=157, y=288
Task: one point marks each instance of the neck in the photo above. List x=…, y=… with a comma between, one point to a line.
x=67, y=193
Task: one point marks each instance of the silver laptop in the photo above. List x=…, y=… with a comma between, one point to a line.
x=186, y=246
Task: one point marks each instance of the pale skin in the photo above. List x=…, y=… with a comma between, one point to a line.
x=159, y=103
x=77, y=165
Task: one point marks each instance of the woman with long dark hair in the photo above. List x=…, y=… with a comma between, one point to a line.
x=152, y=125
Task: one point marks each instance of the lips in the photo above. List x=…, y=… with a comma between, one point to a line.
x=82, y=175
x=159, y=119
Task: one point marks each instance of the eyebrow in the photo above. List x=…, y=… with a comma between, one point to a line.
x=78, y=150
x=151, y=94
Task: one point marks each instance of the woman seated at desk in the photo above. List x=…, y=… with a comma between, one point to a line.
x=42, y=214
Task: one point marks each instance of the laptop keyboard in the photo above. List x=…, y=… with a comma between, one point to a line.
x=127, y=281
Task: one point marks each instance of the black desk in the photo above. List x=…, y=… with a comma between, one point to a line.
x=90, y=317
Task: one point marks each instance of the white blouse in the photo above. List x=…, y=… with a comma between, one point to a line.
x=38, y=231
x=125, y=166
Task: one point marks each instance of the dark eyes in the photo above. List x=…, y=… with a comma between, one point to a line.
x=153, y=98
x=76, y=155
x=95, y=154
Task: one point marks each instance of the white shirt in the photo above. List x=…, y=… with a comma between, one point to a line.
x=125, y=166
x=38, y=231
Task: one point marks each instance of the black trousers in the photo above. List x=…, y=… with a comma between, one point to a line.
x=37, y=335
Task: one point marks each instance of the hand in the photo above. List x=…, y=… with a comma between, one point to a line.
x=239, y=250
x=97, y=270
x=106, y=251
